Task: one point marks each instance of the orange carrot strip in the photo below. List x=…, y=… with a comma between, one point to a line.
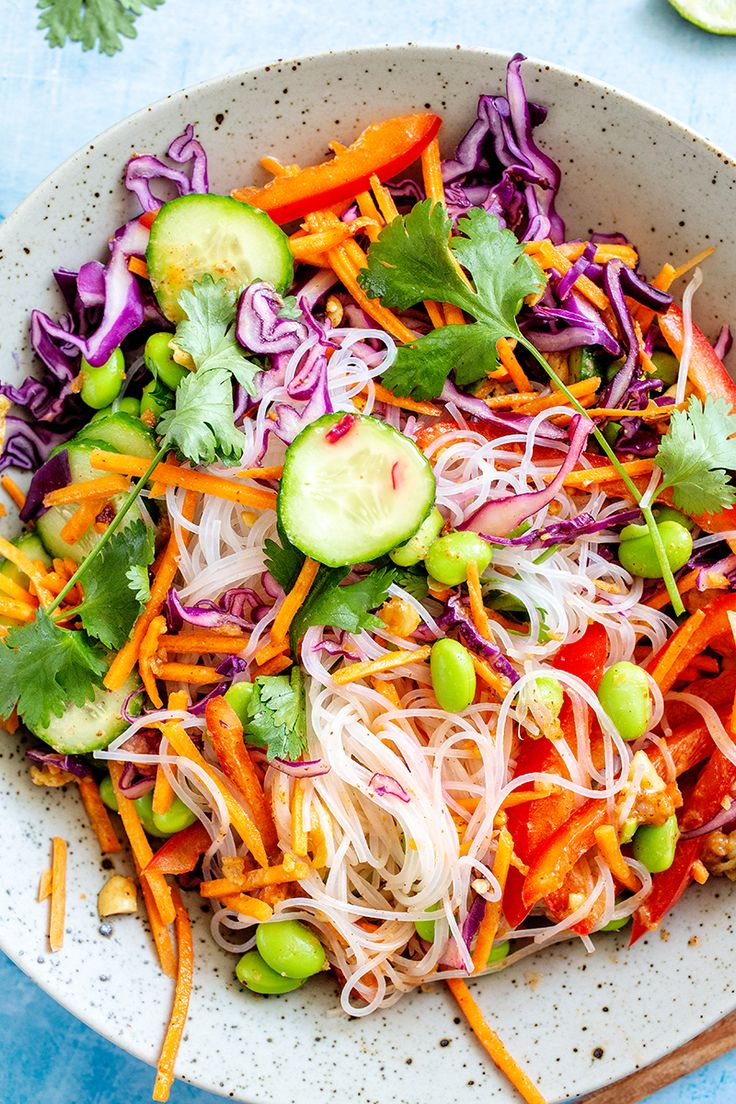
x=384, y=199
x=490, y=677
x=163, y=794
x=385, y=396
x=364, y=669
x=274, y=472
x=477, y=609
x=299, y=841
x=141, y=848
x=626, y=253
x=80, y=521
x=589, y=477
x=276, y=665
x=159, y=931
x=182, y=994
x=248, y=906
x=661, y=672
x=606, y=837
x=146, y=655
x=220, y=887
x=367, y=208
x=58, y=893
x=18, y=611
x=271, y=649
x=138, y=267
x=661, y=597
x=508, y=359
x=164, y=575
x=99, y=817
x=387, y=690
x=19, y=593
x=44, y=885
x=204, y=640
x=698, y=259
x=291, y=603
x=310, y=244
x=289, y=871
x=241, y=822
x=346, y=262
x=192, y=673
x=28, y=567
x=436, y=316
x=432, y=172
x=13, y=491
x=548, y=256
x=172, y=476
x=89, y=488
x=226, y=736
x=492, y=914
x=521, y=797
x=492, y=1044
x=580, y=390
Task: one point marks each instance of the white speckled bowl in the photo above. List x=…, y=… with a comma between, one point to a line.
x=574, y=1021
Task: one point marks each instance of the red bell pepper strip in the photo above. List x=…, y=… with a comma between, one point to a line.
x=383, y=150
x=585, y=657
x=714, y=624
x=706, y=371
x=716, y=780
x=180, y=854
x=551, y=865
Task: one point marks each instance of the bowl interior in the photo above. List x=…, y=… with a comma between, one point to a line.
x=574, y=1020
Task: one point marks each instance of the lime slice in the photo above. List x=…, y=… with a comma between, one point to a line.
x=716, y=16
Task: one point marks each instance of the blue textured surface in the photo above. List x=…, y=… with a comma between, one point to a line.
x=51, y=102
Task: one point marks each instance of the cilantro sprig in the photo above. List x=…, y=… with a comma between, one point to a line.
x=276, y=716
x=92, y=23
x=696, y=455
x=111, y=604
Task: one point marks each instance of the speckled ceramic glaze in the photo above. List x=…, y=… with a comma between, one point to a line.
x=574, y=1020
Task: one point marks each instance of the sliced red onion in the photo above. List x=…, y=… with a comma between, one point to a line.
x=332, y=648
x=72, y=764
x=271, y=587
x=51, y=476
x=288, y=422
x=383, y=785
x=307, y=379
x=723, y=343
x=720, y=820
x=204, y=615
x=457, y=616
x=720, y=575
x=505, y=514
x=515, y=423
x=137, y=781
x=583, y=525
x=124, y=712
x=236, y=599
x=301, y=768
x=259, y=326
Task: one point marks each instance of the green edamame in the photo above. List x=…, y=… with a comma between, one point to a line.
x=257, y=975
x=624, y=694
x=667, y=365
x=101, y=385
x=448, y=557
x=499, y=951
x=107, y=793
x=548, y=692
x=668, y=513
x=406, y=555
x=161, y=825
x=156, y=399
x=611, y=431
x=126, y=405
x=654, y=845
x=425, y=928
x=453, y=675
x=177, y=817
x=616, y=925
x=290, y=948
x=628, y=831
x=160, y=363
x=636, y=551
x=238, y=696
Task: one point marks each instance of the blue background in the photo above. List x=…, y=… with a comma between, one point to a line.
x=51, y=102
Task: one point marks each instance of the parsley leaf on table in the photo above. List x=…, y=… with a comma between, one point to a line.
x=44, y=668
x=414, y=259
x=276, y=715
x=110, y=606
x=696, y=455
x=91, y=22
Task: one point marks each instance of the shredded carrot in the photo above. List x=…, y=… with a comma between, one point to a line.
x=193, y=673
x=499, y=683
x=384, y=199
x=164, y=574
x=290, y=870
x=80, y=521
x=664, y=279
x=521, y=797
x=90, y=488
x=159, y=931
x=99, y=817
x=44, y=885
x=580, y=390
x=172, y=476
x=492, y=1044
x=140, y=847
x=693, y=262
x=650, y=413
x=28, y=567
x=367, y=208
x=670, y=664
x=432, y=172
x=606, y=837
x=19, y=593
x=163, y=794
x=12, y=721
x=182, y=994
x=626, y=253
x=18, y=611
x=291, y=603
x=661, y=597
x=276, y=665
x=57, y=909
x=274, y=166
x=274, y=472
x=508, y=359
x=492, y=914
x=477, y=609
x=248, y=906
x=299, y=841
x=146, y=655
x=387, y=690
x=13, y=491
x=385, y=396
x=366, y=668
x=204, y=640
x=226, y=736
x=589, y=477
x=241, y=822
x=271, y=649
x=436, y=317
x=138, y=267
x=548, y=256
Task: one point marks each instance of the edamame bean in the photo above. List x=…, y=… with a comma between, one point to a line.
x=126, y=405
x=549, y=693
x=238, y=696
x=636, y=551
x=290, y=948
x=101, y=385
x=448, y=557
x=177, y=817
x=627, y=832
x=160, y=363
x=499, y=951
x=107, y=793
x=624, y=694
x=257, y=975
x=667, y=365
x=142, y=804
x=406, y=555
x=616, y=925
x=667, y=513
x=425, y=928
x=155, y=400
x=453, y=675
x=654, y=845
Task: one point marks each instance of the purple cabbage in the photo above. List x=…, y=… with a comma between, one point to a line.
x=288, y=422
x=472, y=922
x=457, y=616
x=260, y=328
x=203, y=615
x=230, y=668
x=384, y=785
x=580, y=268
x=26, y=446
x=720, y=575
x=637, y=438
x=619, y=281
x=583, y=525
x=559, y=329
x=51, y=476
x=141, y=171
x=70, y=763
x=514, y=423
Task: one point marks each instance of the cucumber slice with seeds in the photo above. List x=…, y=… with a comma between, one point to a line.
x=120, y=432
x=197, y=235
x=353, y=488
x=85, y=728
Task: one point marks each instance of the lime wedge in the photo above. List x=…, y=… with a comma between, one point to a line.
x=716, y=16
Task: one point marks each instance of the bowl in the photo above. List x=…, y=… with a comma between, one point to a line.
x=574, y=1021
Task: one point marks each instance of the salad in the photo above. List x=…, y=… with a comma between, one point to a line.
x=377, y=577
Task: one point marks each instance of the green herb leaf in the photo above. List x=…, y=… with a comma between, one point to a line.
x=413, y=260
x=290, y=308
x=110, y=606
x=208, y=331
x=284, y=561
x=413, y=580
x=202, y=423
x=91, y=22
x=697, y=454
x=343, y=607
x=139, y=583
x=277, y=717
x=43, y=668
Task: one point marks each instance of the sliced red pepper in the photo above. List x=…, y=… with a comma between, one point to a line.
x=146, y=219
x=585, y=657
x=383, y=150
x=181, y=853
x=580, y=880
x=716, y=780
x=551, y=865
x=715, y=624
x=706, y=371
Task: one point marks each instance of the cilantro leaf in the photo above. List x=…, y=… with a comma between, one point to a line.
x=415, y=259
x=139, y=583
x=696, y=455
x=110, y=606
x=91, y=22
x=276, y=715
x=343, y=607
x=208, y=332
x=413, y=580
x=284, y=561
x=43, y=668
x=202, y=424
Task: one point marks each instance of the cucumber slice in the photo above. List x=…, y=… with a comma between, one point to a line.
x=200, y=234
x=353, y=488
x=85, y=728
x=122, y=433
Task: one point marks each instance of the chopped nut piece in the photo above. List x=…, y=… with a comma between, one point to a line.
x=399, y=617
x=118, y=895
x=49, y=775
